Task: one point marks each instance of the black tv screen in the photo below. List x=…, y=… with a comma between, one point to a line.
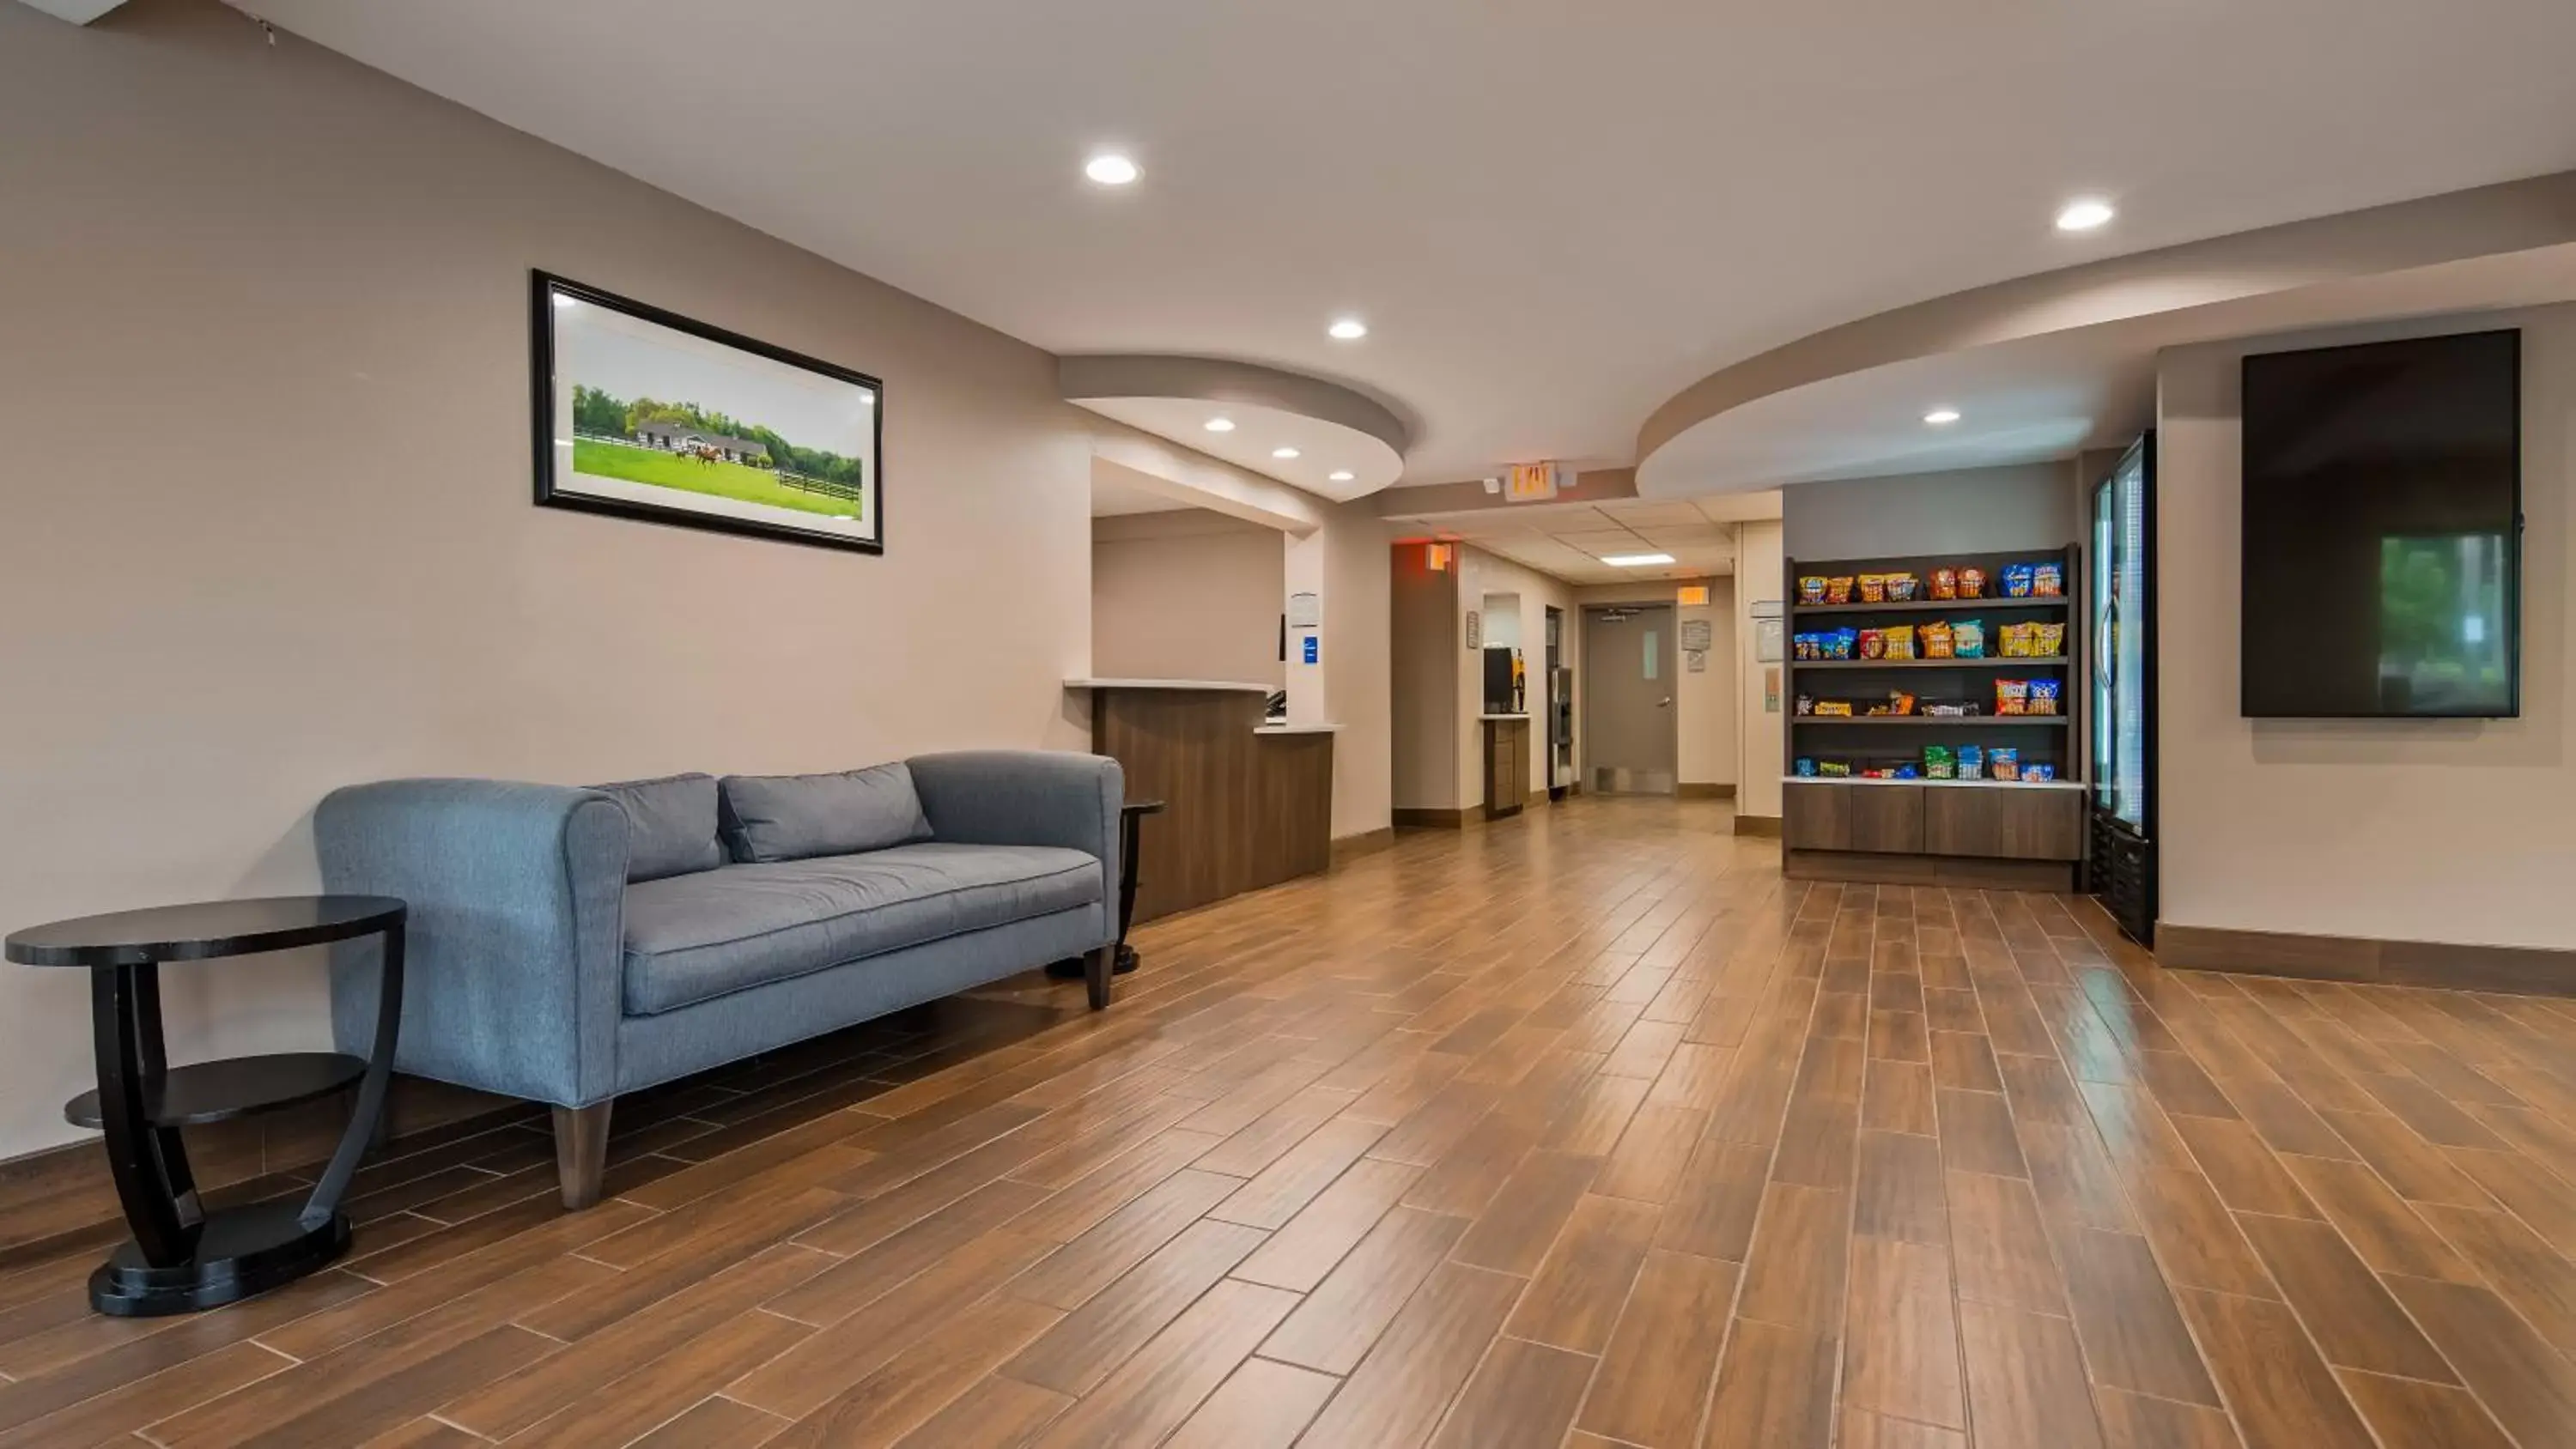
x=2383, y=540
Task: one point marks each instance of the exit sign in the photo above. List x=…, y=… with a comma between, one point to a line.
x=1691, y=596
x=1530, y=482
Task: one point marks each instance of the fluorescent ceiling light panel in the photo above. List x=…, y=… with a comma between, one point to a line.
x=1635, y=560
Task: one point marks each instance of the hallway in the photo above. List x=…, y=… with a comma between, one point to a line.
x=1581, y=1129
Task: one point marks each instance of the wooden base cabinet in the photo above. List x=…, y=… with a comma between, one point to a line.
x=1507, y=766
x=2010, y=836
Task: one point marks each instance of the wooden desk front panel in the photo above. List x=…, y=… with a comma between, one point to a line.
x=1241, y=810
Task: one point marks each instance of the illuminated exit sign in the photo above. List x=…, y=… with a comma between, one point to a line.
x=1533, y=482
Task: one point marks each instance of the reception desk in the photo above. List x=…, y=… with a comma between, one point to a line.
x=1246, y=805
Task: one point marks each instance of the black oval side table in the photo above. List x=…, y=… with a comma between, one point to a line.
x=184, y=1257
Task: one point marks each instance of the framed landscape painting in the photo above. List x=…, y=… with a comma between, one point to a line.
x=650, y=415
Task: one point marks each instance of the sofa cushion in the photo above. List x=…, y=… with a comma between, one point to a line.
x=670, y=825
x=691, y=938
x=797, y=817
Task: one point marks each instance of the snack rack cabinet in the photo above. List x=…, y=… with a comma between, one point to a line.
x=1978, y=833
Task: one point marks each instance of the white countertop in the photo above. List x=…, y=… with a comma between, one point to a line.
x=1296, y=729
x=1502, y=716
x=1946, y=784
x=1221, y=686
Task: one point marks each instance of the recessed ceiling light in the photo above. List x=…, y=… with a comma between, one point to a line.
x=1220, y=425
x=1283, y=454
x=1343, y=475
x=1941, y=417
x=1348, y=329
x=1635, y=560
x=1111, y=169
x=2085, y=214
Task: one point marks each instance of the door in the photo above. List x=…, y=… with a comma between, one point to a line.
x=1631, y=744
x=2123, y=869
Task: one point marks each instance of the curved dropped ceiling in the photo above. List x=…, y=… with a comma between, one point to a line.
x=1334, y=429
x=2043, y=365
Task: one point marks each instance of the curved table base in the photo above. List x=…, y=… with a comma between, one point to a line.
x=240, y=1252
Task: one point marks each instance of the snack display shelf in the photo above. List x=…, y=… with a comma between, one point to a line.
x=1937, y=784
x=1950, y=606
x=1947, y=721
x=2041, y=661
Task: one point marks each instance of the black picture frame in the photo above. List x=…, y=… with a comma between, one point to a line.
x=553, y=491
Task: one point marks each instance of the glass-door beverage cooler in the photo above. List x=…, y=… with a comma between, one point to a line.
x=2123, y=712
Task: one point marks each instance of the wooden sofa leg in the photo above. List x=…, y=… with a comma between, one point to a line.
x=581, y=1152
x=1095, y=975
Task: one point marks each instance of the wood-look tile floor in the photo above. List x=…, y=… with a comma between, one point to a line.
x=1585, y=1129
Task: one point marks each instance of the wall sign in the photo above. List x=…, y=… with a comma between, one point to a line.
x=1475, y=629
x=1766, y=641
x=1314, y=648
x=1695, y=634
x=1305, y=611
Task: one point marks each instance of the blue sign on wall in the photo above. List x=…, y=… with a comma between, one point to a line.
x=1314, y=643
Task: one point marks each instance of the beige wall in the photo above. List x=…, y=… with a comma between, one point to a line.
x=1761, y=740
x=267, y=521
x=1706, y=718
x=1424, y=641
x=2449, y=831
x=1357, y=665
x=1187, y=595
x=1532, y=595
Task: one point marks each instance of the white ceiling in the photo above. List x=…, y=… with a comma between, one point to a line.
x=1323, y=448
x=2046, y=395
x=1553, y=216
x=1112, y=498
x=1568, y=540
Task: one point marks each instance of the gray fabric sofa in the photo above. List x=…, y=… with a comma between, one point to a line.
x=567, y=945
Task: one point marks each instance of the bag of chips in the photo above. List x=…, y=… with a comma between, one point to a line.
x=1906, y=771
x=2012, y=696
x=1873, y=588
x=2016, y=641
x=1936, y=640
x=2038, y=774
x=1806, y=704
x=1835, y=769
x=2017, y=580
x=1972, y=763
x=2043, y=695
x=1811, y=588
x=1900, y=640
x=1945, y=583
x=1844, y=641
x=1901, y=588
x=1972, y=583
x=1838, y=591
x=2003, y=763
x=1938, y=763
x=2047, y=641
x=1833, y=709
x=1873, y=643
x=1970, y=639
x=2048, y=580
x=1804, y=769
x=1899, y=702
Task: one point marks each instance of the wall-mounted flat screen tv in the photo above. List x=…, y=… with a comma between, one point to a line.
x=2383, y=536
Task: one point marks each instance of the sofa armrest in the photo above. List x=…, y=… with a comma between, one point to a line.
x=517, y=896
x=1025, y=797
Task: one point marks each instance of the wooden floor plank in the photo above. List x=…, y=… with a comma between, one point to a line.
x=1582, y=1129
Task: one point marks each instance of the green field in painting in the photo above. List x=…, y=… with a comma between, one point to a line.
x=722, y=480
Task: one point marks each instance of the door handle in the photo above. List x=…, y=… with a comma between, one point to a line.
x=1664, y=703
